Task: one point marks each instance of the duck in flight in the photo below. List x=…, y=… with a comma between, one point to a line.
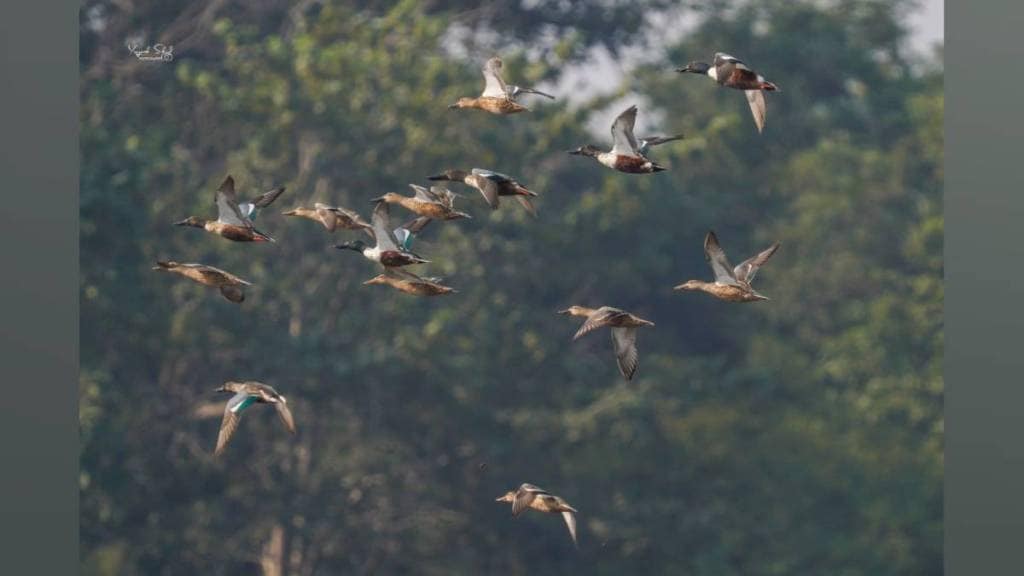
x=530, y=496
x=492, y=185
x=234, y=220
x=435, y=204
x=627, y=154
x=387, y=251
x=230, y=286
x=245, y=395
x=410, y=283
x=332, y=217
x=730, y=72
x=731, y=284
x=498, y=97
x=623, y=326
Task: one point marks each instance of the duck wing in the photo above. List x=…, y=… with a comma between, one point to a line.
x=328, y=217
x=623, y=141
x=515, y=91
x=747, y=269
x=232, y=415
x=528, y=205
x=524, y=497
x=488, y=184
x=424, y=194
x=626, y=355
x=719, y=263
x=570, y=522
x=600, y=318
x=285, y=414
x=381, y=223
x=228, y=211
x=494, y=85
x=758, y=107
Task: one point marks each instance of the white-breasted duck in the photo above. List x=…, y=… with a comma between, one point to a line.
x=627, y=154
x=387, y=251
x=491, y=185
x=731, y=72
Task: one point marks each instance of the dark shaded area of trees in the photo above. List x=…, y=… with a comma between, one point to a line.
x=797, y=436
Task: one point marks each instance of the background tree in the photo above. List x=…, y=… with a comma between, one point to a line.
x=802, y=435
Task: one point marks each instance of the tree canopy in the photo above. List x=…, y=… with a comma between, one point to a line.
x=797, y=436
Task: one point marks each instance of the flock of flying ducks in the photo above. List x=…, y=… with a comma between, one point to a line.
x=390, y=247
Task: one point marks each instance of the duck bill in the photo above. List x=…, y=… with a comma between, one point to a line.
x=684, y=69
x=288, y=213
x=566, y=311
x=437, y=177
x=576, y=152
x=453, y=106
x=182, y=222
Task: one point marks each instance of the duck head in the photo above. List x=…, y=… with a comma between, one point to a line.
x=193, y=221
x=586, y=150
x=389, y=197
x=463, y=103
x=450, y=175
x=356, y=245
x=231, y=387
x=165, y=265
x=298, y=212
x=576, y=311
x=690, y=285
x=378, y=279
x=695, y=68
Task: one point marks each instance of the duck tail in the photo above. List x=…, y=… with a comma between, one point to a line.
x=524, y=192
x=769, y=87
x=261, y=237
x=657, y=168
x=162, y=265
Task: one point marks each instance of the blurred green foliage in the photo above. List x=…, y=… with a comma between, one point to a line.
x=797, y=436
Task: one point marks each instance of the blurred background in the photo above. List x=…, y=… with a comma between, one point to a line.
x=798, y=436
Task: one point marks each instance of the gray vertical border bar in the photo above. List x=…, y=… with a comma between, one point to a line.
x=984, y=261
x=39, y=293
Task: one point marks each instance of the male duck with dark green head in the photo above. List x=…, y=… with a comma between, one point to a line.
x=245, y=395
x=730, y=72
x=491, y=185
x=387, y=251
x=627, y=154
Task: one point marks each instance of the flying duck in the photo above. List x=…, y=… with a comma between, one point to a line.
x=626, y=155
x=436, y=203
x=730, y=72
x=623, y=326
x=234, y=219
x=387, y=251
x=230, y=286
x=491, y=185
x=245, y=395
x=530, y=496
x=410, y=283
x=731, y=284
x=497, y=97
x=332, y=217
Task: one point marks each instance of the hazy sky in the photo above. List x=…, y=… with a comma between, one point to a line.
x=929, y=24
